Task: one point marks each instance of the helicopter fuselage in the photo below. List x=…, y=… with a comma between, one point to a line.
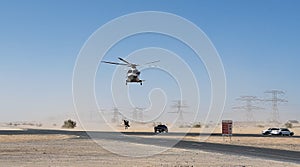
x=133, y=75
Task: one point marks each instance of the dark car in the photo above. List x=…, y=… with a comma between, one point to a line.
x=160, y=129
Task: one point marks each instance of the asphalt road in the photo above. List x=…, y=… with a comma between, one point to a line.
x=84, y=134
x=134, y=137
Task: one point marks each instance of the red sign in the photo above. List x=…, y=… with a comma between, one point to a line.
x=226, y=127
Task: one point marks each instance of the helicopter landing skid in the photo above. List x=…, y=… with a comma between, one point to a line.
x=141, y=82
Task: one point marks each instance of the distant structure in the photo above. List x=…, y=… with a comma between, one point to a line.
x=248, y=106
x=293, y=121
x=116, y=115
x=179, y=109
x=275, y=100
x=138, y=114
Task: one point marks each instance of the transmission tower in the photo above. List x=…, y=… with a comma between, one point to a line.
x=275, y=100
x=179, y=106
x=138, y=114
x=116, y=114
x=248, y=106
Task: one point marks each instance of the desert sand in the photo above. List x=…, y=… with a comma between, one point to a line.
x=61, y=151
x=68, y=150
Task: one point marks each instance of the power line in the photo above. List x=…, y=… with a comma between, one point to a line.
x=275, y=101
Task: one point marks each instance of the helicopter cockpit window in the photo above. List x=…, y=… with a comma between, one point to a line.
x=129, y=71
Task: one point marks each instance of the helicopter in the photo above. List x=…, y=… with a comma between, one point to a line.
x=133, y=73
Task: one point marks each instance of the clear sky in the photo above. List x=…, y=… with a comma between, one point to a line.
x=258, y=42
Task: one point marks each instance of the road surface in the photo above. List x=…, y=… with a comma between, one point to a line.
x=137, y=137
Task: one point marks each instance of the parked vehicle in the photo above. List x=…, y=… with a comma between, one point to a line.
x=268, y=131
x=160, y=129
x=282, y=132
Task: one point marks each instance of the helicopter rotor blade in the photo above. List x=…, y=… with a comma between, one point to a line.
x=128, y=63
x=124, y=60
x=152, y=62
x=114, y=63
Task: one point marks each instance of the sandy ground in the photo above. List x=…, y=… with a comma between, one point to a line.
x=283, y=143
x=25, y=138
x=62, y=151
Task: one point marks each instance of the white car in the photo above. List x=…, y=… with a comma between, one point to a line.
x=268, y=131
x=282, y=132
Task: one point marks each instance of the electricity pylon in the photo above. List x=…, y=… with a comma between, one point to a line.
x=116, y=114
x=275, y=100
x=248, y=106
x=138, y=114
x=179, y=106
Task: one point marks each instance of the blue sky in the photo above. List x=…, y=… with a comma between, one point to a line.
x=258, y=42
